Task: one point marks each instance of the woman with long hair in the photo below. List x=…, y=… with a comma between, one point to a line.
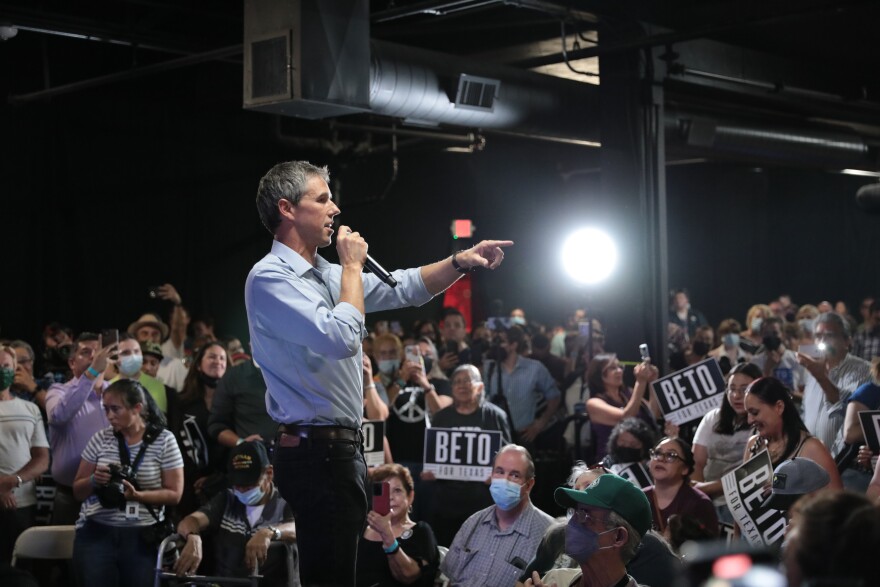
x=721, y=437
x=672, y=463
x=128, y=473
x=203, y=457
x=778, y=428
x=611, y=401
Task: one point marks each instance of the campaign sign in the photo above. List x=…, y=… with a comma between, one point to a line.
x=374, y=445
x=745, y=490
x=636, y=473
x=688, y=394
x=870, y=420
x=464, y=455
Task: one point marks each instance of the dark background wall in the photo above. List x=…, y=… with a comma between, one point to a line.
x=106, y=193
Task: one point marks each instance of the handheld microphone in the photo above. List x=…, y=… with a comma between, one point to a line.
x=380, y=272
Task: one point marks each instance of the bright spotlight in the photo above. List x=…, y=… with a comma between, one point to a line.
x=589, y=255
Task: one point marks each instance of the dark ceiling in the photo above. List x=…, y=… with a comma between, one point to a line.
x=810, y=61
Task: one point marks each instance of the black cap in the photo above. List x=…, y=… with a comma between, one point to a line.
x=247, y=461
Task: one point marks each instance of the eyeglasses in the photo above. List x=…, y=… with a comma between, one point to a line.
x=666, y=457
x=584, y=517
x=612, y=368
x=821, y=335
x=737, y=391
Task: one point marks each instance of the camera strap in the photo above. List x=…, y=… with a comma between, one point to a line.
x=125, y=459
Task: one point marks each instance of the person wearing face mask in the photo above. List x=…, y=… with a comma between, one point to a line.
x=494, y=545
x=243, y=522
x=128, y=364
x=754, y=318
x=729, y=353
x=610, y=517
x=425, y=391
x=150, y=327
x=775, y=360
x=654, y=563
x=203, y=456
x=24, y=456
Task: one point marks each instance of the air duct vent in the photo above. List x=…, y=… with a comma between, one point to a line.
x=270, y=69
x=476, y=93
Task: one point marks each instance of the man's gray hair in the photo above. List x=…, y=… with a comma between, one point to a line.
x=578, y=469
x=20, y=344
x=633, y=538
x=470, y=370
x=285, y=181
x=530, y=464
x=833, y=318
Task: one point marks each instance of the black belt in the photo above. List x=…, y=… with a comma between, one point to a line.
x=292, y=435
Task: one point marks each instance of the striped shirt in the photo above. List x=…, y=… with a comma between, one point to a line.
x=824, y=419
x=162, y=454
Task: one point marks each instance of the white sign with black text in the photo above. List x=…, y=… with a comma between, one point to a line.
x=374, y=442
x=745, y=490
x=463, y=455
x=688, y=394
x=636, y=473
x=870, y=421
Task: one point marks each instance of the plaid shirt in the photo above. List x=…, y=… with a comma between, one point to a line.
x=483, y=555
x=866, y=344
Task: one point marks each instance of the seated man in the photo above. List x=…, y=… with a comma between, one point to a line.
x=242, y=521
x=610, y=517
x=494, y=545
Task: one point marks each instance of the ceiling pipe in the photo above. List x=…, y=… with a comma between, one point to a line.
x=754, y=140
x=128, y=74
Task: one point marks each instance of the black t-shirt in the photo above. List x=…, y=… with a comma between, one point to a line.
x=487, y=417
x=405, y=426
x=372, y=562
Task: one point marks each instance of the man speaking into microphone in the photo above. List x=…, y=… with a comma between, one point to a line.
x=306, y=322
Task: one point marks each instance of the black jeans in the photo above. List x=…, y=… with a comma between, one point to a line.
x=324, y=482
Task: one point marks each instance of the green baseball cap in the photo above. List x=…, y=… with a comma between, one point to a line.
x=614, y=493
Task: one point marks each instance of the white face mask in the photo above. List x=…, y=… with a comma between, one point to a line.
x=130, y=365
x=389, y=366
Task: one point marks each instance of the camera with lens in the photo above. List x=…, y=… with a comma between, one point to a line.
x=112, y=495
x=496, y=351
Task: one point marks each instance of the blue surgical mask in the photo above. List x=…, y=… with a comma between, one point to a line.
x=252, y=496
x=755, y=324
x=389, y=366
x=807, y=324
x=581, y=543
x=506, y=494
x=730, y=340
x=518, y=320
x=130, y=365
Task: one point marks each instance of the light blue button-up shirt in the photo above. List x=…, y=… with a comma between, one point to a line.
x=307, y=343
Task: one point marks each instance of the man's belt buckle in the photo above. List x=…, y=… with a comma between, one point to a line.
x=289, y=440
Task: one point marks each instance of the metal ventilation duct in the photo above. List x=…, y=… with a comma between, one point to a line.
x=421, y=86
x=765, y=142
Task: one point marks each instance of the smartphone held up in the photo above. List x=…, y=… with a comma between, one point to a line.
x=382, y=498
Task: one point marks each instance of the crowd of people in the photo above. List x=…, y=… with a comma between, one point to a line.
x=256, y=460
x=177, y=428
